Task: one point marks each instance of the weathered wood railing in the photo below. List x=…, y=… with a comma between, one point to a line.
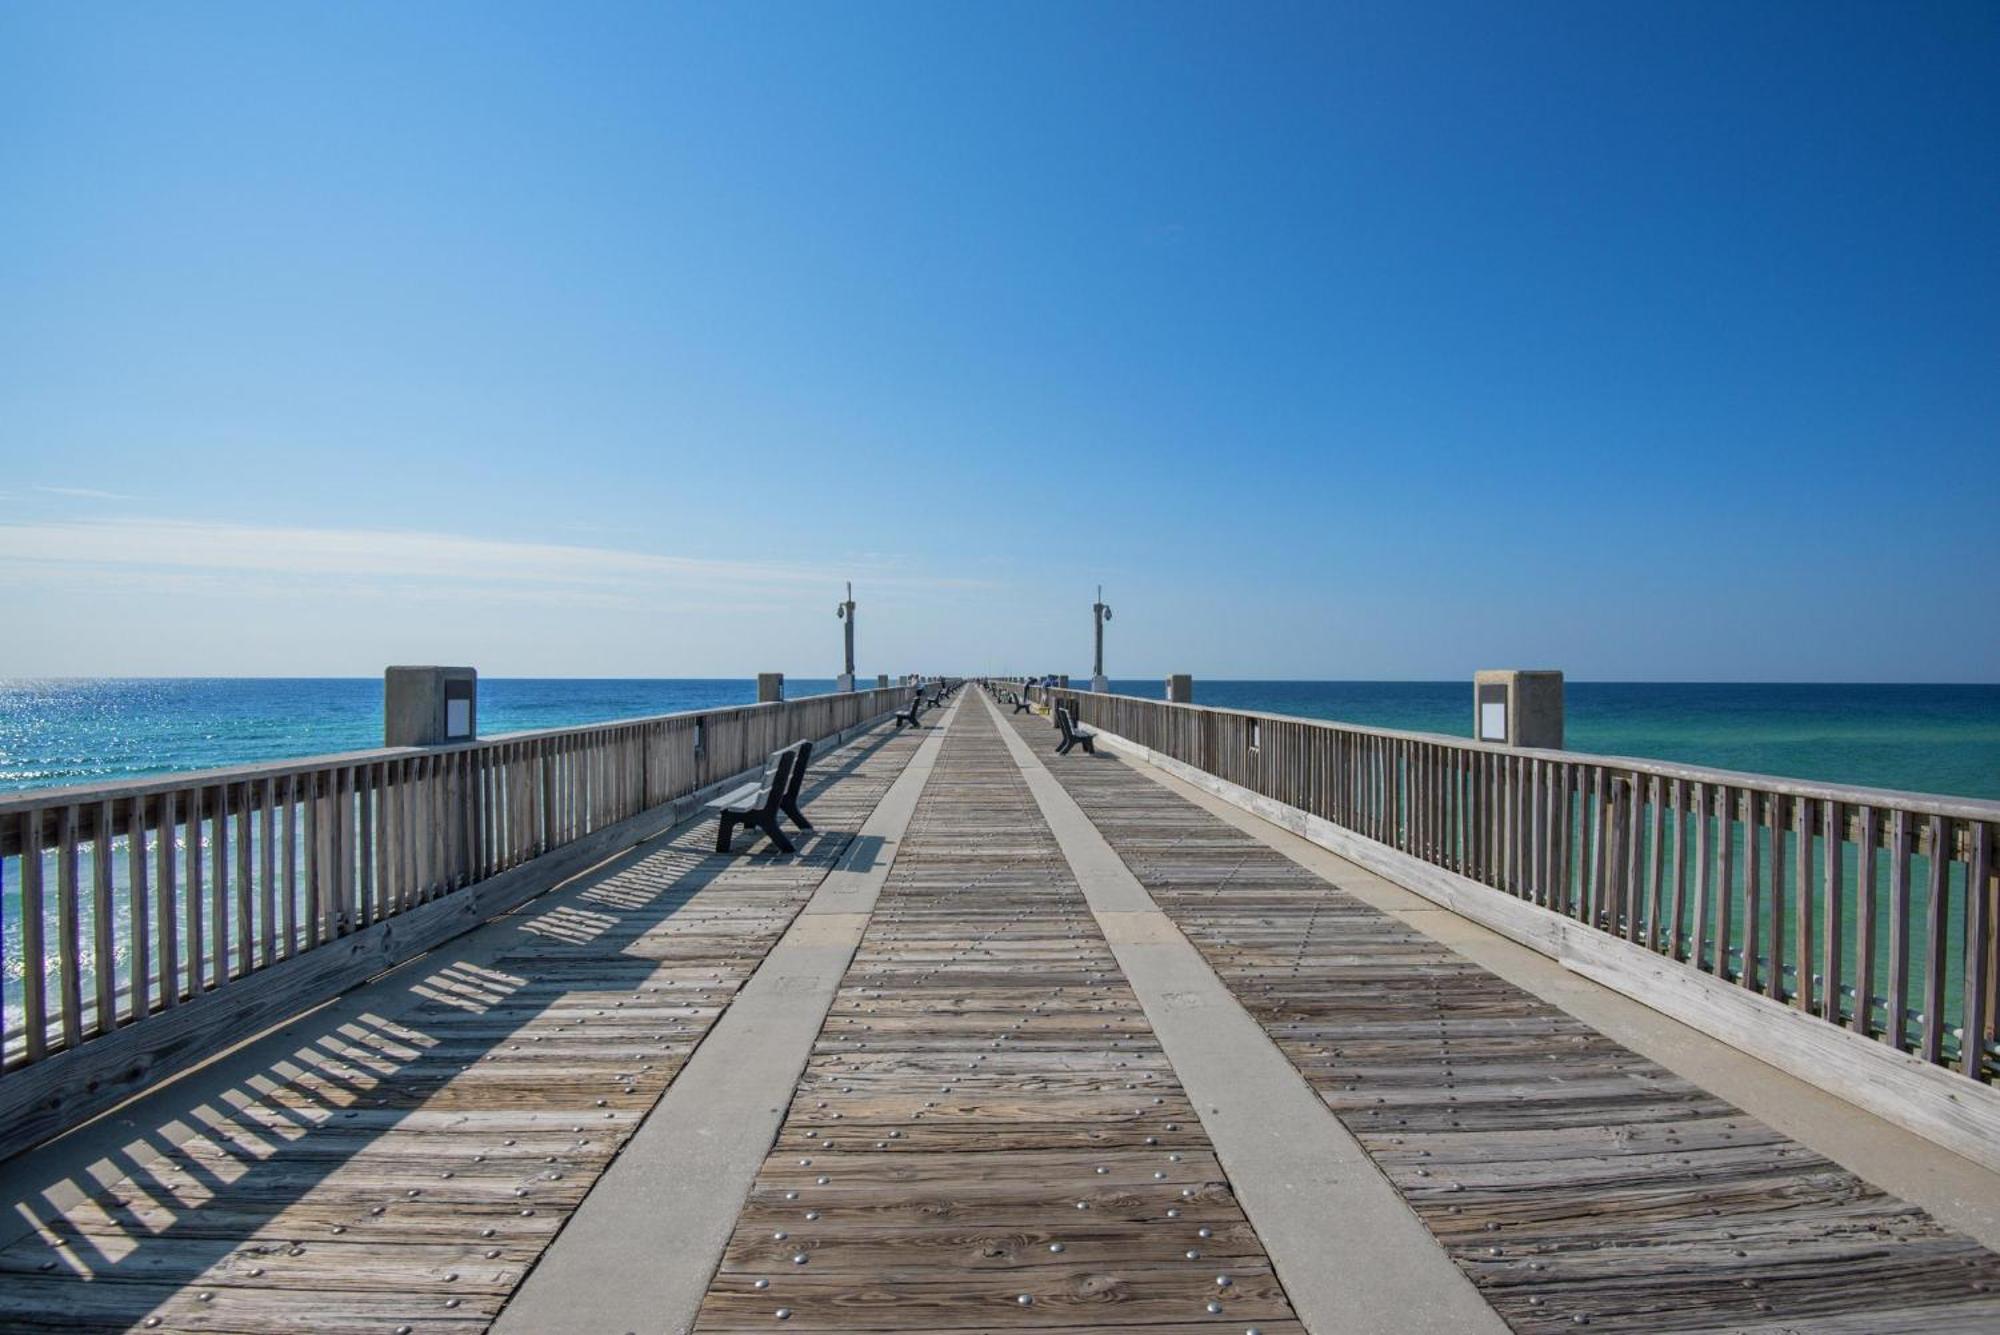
x=1875, y=910
x=138, y=899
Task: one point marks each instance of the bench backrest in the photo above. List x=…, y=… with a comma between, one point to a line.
x=1063, y=722
x=802, y=758
x=778, y=774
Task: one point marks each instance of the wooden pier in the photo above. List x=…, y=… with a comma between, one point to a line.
x=1015, y=1042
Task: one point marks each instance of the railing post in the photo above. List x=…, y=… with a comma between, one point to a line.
x=770, y=687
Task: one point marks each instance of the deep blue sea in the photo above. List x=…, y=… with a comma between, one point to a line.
x=1941, y=739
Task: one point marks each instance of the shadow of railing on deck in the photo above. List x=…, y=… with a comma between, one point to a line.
x=167, y=1210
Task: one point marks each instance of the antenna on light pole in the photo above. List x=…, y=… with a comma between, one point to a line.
x=1100, y=612
x=845, y=611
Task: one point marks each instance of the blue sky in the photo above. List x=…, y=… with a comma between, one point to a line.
x=1382, y=340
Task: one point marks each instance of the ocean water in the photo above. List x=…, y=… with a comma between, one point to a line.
x=96, y=730
x=1929, y=739
x=1937, y=739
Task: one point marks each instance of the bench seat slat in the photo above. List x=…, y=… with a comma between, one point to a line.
x=749, y=796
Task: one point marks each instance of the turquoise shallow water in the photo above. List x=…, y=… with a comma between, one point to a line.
x=1943, y=739
x=1932, y=739
x=93, y=730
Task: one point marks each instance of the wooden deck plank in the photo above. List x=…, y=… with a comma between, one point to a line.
x=1573, y=1181
x=988, y=1136
x=406, y=1168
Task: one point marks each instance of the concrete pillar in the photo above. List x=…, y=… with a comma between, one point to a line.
x=1180, y=689
x=1519, y=707
x=770, y=687
x=429, y=706
x=881, y=681
x=1063, y=681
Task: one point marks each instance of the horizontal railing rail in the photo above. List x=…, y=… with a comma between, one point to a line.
x=120, y=902
x=1871, y=909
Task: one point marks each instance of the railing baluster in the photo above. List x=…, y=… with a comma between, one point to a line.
x=166, y=898
x=314, y=839
x=1833, y=953
x=1656, y=861
x=103, y=950
x=191, y=891
x=1937, y=939
x=1980, y=910
x=1895, y=1030
x=1774, y=934
x=1629, y=825
x=1752, y=891
x=69, y=1000
x=219, y=892
x=246, y=883
x=1725, y=879
x=1599, y=869
x=34, y=948
x=291, y=906
x=1678, y=911
x=139, y=957
x=267, y=884
x=1863, y=1019
x=1703, y=879
x=1803, y=813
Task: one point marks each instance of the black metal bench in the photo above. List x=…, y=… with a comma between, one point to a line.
x=1074, y=733
x=758, y=803
x=1021, y=705
x=912, y=714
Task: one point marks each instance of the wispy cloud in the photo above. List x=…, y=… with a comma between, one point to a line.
x=86, y=493
x=392, y=562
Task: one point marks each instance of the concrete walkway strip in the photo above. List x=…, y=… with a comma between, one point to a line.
x=1351, y=1255
x=639, y=1252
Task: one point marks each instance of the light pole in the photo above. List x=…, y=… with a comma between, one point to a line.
x=845, y=611
x=1099, y=614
